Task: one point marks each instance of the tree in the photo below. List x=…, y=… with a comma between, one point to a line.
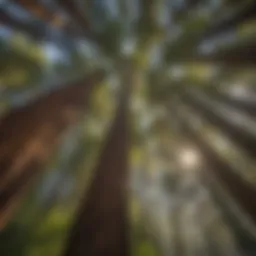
x=41, y=124
x=237, y=134
x=158, y=49
x=101, y=226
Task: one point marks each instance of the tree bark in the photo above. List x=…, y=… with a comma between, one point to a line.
x=244, y=14
x=241, y=137
x=34, y=30
x=101, y=226
x=239, y=56
x=75, y=12
x=247, y=106
x=37, y=9
x=29, y=135
x=53, y=17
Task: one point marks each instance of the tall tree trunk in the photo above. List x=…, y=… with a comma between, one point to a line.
x=244, y=14
x=247, y=106
x=245, y=238
x=29, y=135
x=39, y=10
x=241, y=137
x=78, y=15
x=49, y=15
x=239, y=56
x=101, y=224
x=33, y=30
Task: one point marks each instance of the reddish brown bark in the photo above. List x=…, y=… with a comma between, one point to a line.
x=41, y=11
x=29, y=135
x=75, y=12
x=101, y=225
x=33, y=30
x=37, y=8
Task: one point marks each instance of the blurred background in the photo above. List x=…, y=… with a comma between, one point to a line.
x=77, y=77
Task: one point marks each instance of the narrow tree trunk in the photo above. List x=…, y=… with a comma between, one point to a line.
x=29, y=135
x=46, y=13
x=244, y=238
x=247, y=106
x=101, y=224
x=240, y=56
x=244, y=14
x=242, y=138
x=39, y=10
x=33, y=30
x=78, y=15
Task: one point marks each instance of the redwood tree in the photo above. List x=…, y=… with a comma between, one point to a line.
x=29, y=135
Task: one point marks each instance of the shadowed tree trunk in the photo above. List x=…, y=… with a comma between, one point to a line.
x=29, y=135
x=49, y=15
x=241, y=137
x=247, y=106
x=241, y=56
x=39, y=10
x=33, y=30
x=244, y=14
x=73, y=8
x=101, y=227
x=244, y=237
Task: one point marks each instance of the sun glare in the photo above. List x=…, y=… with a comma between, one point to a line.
x=189, y=157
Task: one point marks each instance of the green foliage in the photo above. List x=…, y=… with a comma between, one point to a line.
x=110, y=38
x=142, y=244
x=51, y=233
x=21, y=64
x=14, y=240
x=185, y=44
x=146, y=249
